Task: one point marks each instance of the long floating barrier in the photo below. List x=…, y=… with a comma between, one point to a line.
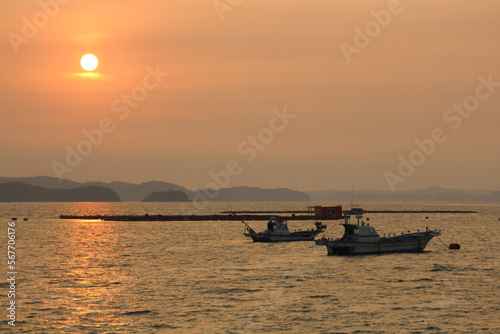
x=367, y=211
x=320, y=213
x=190, y=217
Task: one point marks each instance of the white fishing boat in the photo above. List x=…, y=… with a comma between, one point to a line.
x=277, y=231
x=361, y=238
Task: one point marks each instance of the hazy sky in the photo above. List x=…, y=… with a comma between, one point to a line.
x=300, y=94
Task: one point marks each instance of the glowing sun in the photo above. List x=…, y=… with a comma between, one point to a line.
x=89, y=62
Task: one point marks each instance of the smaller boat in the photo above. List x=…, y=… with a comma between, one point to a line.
x=277, y=231
x=361, y=238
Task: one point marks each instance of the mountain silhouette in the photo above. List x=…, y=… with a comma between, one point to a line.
x=22, y=192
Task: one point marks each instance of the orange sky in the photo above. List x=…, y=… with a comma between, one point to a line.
x=354, y=117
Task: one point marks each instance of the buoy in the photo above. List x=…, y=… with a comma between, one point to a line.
x=454, y=246
x=14, y=219
x=25, y=219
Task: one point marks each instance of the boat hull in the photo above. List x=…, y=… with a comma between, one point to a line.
x=404, y=244
x=295, y=236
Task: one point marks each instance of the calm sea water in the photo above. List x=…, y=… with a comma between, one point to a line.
x=205, y=277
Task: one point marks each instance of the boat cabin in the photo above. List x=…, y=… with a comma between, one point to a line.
x=359, y=232
x=276, y=226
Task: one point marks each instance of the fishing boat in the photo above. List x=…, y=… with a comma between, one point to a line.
x=277, y=231
x=361, y=238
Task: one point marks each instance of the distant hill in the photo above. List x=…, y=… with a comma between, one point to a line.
x=43, y=181
x=431, y=194
x=167, y=196
x=129, y=192
x=139, y=192
x=254, y=194
x=22, y=192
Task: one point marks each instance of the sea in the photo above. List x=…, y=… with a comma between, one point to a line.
x=91, y=276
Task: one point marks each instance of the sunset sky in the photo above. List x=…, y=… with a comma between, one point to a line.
x=309, y=95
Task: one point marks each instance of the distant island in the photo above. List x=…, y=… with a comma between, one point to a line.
x=167, y=196
x=152, y=191
x=254, y=194
x=22, y=192
x=127, y=192
x=51, y=189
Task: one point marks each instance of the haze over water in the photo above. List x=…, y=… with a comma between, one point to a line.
x=205, y=277
x=184, y=88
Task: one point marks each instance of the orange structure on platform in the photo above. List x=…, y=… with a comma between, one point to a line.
x=328, y=211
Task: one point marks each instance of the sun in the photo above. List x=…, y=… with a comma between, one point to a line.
x=89, y=62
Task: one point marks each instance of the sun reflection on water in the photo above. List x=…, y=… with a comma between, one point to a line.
x=90, y=286
x=192, y=277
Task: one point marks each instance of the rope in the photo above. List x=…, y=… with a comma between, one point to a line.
x=442, y=241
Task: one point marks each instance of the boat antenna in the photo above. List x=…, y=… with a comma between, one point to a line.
x=248, y=227
x=352, y=195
